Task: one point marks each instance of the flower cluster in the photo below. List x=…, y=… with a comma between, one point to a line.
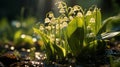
x=53, y=26
x=90, y=17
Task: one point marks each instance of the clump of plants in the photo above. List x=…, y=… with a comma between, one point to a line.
x=76, y=35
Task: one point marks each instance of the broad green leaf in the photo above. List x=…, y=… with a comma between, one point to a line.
x=97, y=16
x=111, y=24
x=80, y=22
x=73, y=25
x=75, y=32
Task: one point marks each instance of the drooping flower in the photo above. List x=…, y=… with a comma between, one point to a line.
x=60, y=5
x=70, y=17
x=57, y=40
x=76, y=8
x=79, y=14
x=88, y=13
x=57, y=26
x=48, y=27
x=65, y=19
x=90, y=35
x=41, y=27
x=92, y=20
x=51, y=15
x=88, y=27
x=65, y=24
x=52, y=38
x=53, y=21
x=62, y=11
x=47, y=20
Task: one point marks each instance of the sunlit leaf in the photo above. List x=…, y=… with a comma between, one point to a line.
x=75, y=32
x=48, y=45
x=41, y=34
x=109, y=35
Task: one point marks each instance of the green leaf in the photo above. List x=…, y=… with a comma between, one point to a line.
x=75, y=32
x=73, y=25
x=41, y=34
x=48, y=45
x=97, y=16
x=49, y=50
x=109, y=35
x=61, y=52
x=111, y=24
x=97, y=45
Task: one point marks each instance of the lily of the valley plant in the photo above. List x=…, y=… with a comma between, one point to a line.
x=75, y=31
